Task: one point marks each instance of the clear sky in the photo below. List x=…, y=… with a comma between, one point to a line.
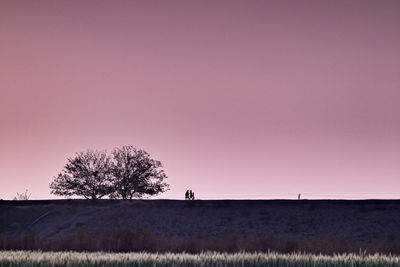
x=236, y=98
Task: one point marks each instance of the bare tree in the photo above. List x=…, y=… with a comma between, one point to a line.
x=136, y=174
x=88, y=174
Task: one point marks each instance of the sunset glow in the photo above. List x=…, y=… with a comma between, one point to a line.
x=237, y=99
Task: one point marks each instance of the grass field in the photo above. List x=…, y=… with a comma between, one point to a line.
x=160, y=226
x=43, y=259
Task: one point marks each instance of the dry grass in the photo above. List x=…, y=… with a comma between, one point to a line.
x=209, y=259
x=124, y=240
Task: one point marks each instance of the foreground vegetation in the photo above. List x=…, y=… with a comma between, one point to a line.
x=126, y=240
x=38, y=258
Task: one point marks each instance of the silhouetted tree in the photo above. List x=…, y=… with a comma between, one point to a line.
x=136, y=174
x=88, y=174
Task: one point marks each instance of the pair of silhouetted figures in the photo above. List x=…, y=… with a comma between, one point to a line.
x=189, y=195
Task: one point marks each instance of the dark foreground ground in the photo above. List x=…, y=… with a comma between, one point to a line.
x=326, y=226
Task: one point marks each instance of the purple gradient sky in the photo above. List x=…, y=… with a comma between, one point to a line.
x=236, y=98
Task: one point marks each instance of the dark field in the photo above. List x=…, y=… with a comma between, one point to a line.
x=326, y=226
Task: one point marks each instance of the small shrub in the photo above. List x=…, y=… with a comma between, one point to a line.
x=23, y=196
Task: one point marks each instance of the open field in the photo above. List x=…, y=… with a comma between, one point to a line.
x=60, y=259
x=313, y=226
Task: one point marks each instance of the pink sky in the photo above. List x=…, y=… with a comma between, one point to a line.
x=236, y=98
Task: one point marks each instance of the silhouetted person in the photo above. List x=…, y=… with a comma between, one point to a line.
x=190, y=194
x=298, y=198
x=187, y=195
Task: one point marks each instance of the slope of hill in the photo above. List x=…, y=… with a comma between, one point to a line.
x=362, y=222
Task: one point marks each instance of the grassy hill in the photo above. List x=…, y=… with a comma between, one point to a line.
x=223, y=225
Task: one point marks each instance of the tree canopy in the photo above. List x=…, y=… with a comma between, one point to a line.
x=136, y=174
x=127, y=173
x=88, y=174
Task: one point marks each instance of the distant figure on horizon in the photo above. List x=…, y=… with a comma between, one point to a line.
x=298, y=198
x=189, y=195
